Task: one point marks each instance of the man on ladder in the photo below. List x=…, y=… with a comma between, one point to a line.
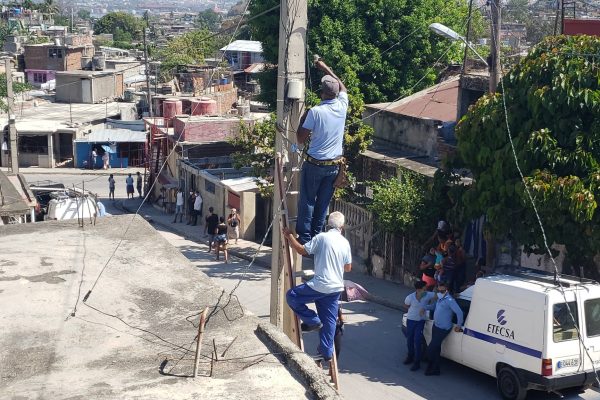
x=324, y=125
x=333, y=257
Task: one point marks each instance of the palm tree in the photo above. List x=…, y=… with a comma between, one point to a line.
x=49, y=7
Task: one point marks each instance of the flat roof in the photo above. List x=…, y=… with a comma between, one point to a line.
x=116, y=135
x=149, y=284
x=252, y=46
x=11, y=199
x=89, y=74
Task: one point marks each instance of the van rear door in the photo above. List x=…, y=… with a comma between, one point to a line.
x=589, y=300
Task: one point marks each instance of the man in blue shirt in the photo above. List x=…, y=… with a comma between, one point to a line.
x=442, y=325
x=333, y=257
x=324, y=126
x=416, y=303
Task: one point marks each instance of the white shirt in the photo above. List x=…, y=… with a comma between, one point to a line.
x=179, y=201
x=197, y=203
x=332, y=252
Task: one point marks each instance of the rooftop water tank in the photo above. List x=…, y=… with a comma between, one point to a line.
x=172, y=108
x=204, y=106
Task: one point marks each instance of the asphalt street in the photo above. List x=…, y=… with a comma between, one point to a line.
x=373, y=344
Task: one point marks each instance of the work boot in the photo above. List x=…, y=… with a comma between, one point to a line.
x=309, y=328
x=408, y=360
x=415, y=367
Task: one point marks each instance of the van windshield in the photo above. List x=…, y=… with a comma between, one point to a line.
x=592, y=317
x=564, y=328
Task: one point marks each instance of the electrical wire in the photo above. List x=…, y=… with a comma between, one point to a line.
x=541, y=225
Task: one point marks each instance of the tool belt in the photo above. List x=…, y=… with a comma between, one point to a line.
x=324, y=163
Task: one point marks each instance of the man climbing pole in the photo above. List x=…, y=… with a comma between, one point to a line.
x=324, y=126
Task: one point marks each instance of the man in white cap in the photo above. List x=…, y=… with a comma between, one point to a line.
x=324, y=125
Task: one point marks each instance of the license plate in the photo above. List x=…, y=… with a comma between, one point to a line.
x=569, y=362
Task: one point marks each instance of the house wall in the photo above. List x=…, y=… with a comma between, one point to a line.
x=207, y=129
x=69, y=89
x=36, y=57
x=408, y=133
x=107, y=86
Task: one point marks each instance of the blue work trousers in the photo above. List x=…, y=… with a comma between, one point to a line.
x=327, y=313
x=316, y=190
x=414, y=333
x=435, y=347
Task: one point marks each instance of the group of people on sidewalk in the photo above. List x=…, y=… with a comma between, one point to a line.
x=218, y=229
x=129, y=181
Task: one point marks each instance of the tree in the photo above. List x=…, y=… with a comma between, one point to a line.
x=382, y=48
x=84, y=14
x=123, y=26
x=553, y=109
x=17, y=88
x=48, y=7
x=208, y=20
x=516, y=11
x=190, y=48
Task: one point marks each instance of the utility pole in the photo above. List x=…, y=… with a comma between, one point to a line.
x=495, y=67
x=290, y=104
x=147, y=69
x=12, y=129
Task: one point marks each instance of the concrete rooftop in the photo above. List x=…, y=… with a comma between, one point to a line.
x=46, y=353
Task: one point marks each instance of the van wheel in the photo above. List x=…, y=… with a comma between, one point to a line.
x=509, y=385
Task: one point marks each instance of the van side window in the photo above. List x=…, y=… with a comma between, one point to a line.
x=562, y=323
x=592, y=317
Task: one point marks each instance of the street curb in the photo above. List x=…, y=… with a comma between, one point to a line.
x=385, y=302
x=298, y=362
x=72, y=171
x=170, y=228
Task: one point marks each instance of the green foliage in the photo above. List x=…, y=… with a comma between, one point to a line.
x=48, y=7
x=209, y=20
x=84, y=14
x=516, y=11
x=123, y=26
x=17, y=88
x=62, y=20
x=553, y=100
x=352, y=36
x=256, y=149
x=190, y=48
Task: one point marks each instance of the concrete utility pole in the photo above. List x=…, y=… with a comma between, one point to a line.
x=290, y=104
x=12, y=129
x=147, y=69
x=495, y=68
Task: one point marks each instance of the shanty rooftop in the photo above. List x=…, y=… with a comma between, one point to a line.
x=130, y=339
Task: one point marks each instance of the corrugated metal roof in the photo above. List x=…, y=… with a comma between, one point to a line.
x=254, y=68
x=114, y=135
x=243, y=184
x=251, y=46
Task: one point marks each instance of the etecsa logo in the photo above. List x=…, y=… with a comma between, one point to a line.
x=500, y=317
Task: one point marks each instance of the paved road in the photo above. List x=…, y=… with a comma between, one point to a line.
x=373, y=345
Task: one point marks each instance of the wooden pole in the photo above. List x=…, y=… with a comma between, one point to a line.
x=199, y=340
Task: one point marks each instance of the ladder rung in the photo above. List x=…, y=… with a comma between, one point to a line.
x=292, y=219
x=293, y=192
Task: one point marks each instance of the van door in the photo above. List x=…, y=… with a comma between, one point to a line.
x=589, y=305
x=564, y=347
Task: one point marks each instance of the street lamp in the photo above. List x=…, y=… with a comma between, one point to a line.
x=448, y=33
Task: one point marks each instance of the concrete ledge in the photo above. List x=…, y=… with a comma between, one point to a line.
x=298, y=362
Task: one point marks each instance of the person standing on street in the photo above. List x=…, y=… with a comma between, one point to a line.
x=221, y=239
x=324, y=126
x=190, y=207
x=140, y=182
x=94, y=157
x=111, y=187
x=197, y=208
x=106, y=160
x=129, y=184
x=332, y=258
x=212, y=221
x=416, y=303
x=178, y=205
x=442, y=325
x=233, y=220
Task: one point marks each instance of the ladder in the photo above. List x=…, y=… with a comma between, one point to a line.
x=288, y=268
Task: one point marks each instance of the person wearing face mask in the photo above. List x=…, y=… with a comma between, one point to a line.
x=442, y=325
x=415, y=322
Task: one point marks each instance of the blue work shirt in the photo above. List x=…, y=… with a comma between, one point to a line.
x=415, y=306
x=326, y=123
x=442, y=316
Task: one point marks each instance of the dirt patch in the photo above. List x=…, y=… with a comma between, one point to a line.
x=49, y=277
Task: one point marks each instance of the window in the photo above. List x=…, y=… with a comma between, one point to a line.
x=563, y=326
x=592, y=317
x=209, y=186
x=39, y=77
x=55, y=53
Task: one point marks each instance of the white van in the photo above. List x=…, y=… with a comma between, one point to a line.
x=63, y=206
x=518, y=329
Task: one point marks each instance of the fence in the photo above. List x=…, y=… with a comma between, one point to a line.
x=359, y=226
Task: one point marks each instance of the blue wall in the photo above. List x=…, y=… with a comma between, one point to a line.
x=83, y=152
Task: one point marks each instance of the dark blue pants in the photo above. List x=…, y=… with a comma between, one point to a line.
x=414, y=333
x=435, y=347
x=316, y=190
x=327, y=312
